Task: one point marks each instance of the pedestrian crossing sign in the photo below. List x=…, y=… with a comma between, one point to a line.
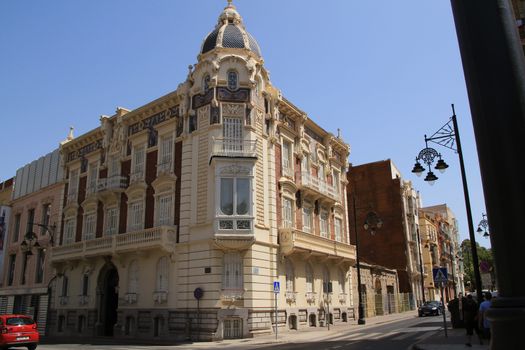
x=440, y=274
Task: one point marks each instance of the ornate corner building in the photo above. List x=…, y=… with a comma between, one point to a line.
x=180, y=215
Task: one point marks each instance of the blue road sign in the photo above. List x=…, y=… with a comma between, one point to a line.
x=440, y=275
x=276, y=286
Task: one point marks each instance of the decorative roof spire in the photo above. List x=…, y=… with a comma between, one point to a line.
x=230, y=14
x=70, y=134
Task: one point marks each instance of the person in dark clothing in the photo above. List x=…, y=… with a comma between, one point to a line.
x=470, y=317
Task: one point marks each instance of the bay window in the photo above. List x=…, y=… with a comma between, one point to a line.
x=235, y=200
x=136, y=216
x=165, y=210
x=69, y=231
x=165, y=155
x=137, y=163
x=287, y=212
x=324, y=223
x=307, y=219
x=338, y=229
x=90, y=223
x=111, y=221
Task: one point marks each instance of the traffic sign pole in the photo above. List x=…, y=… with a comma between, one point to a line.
x=443, y=311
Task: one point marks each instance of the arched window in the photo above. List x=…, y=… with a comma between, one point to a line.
x=206, y=83
x=133, y=277
x=162, y=275
x=290, y=276
x=233, y=80
x=342, y=282
x=326, y=280
x=309, y=278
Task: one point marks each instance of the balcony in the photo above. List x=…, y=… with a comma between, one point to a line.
x=114, y=183
x=234, y=148
x=234, y=232
x=161, y=237
x=230, y=295
x=160, y=297
x=83, y=299
x=314, y=187
x=290, y=297
x=165, y=168
x=294, y=241
x=137, y=176
x=131, y=298
x=310, y=297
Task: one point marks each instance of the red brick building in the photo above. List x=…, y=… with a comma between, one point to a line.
x=378, y=187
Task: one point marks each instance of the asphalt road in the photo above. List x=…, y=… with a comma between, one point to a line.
x=388, y=336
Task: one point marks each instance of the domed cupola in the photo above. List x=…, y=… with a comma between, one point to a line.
x=230, y=33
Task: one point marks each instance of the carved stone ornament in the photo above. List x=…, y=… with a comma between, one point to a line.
x=235, y=170
x=203, y=114
x=118, y=140
x=233, y=110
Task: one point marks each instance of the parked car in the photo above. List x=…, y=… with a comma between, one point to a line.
x=430, y=308
x=18, y=330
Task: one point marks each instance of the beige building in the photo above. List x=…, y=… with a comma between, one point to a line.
x=430, y=252
x=181, y=215
x=36, y=209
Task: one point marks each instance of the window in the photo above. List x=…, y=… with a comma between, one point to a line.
x=24, y=269
x=287, y=158
x=162, y=275
x=206, y=83
x=136, y=216
x=290, y=276
x=73, y=185
x=139, y=155
x=326, y=281
x=338, y=231
x=90, y=223
x=232, y=129
x=133, y=277
x=92, y=178
x=65, y=286
x=16, y=230
x=12, y=263
x=304, y=164
x=69, y=231
x=46, y=214
x=337, y=182
x=165, y=210
x=85, y=284
x=307, y=219
x=41, y=258
x=287, y=212
x=30, y=220
x=235, y=199
x=113, y=166
x=165, y=154
x=111, y=221
x=321, y=175
x=342, y=282
x=232, y=80
x=324, y=223
x=309, y=278
x=233, y=271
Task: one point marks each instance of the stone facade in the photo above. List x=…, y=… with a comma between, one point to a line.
x=179, y=216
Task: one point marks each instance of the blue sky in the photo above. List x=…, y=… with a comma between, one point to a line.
x=384, y=72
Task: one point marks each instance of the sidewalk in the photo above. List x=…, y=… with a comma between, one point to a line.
x=284, y=336
x=456, y=340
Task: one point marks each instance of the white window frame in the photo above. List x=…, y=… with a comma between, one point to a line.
x=336, y=177
x=70, y=228
x=235, y=216
x=338, y=229
x=307, y=218
x=287, y=157
x=108, y=229
x=288, y=212
x=74, y=177
x=309, y=278
x=133, y=277
x=162, y=275
x=135, y=225
x=233, y=274
x=92, y=177
x=89, y=229
x=165, y=154
x=113, y=165
x=138, y=162
x=324, y=223
x=290, y=276
x=164, y=211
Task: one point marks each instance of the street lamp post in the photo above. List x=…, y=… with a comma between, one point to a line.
x=483, y=226
x=372, y=223
x=421, y=266
x=448, y=136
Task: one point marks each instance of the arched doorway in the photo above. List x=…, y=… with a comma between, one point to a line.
x=108, y=299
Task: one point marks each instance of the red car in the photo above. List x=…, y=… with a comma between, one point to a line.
x=18, y=330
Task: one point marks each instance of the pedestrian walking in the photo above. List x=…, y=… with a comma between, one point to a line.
x=470, y=316
x=484, y=323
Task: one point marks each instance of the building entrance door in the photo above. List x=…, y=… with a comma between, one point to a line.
x=108, y=301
